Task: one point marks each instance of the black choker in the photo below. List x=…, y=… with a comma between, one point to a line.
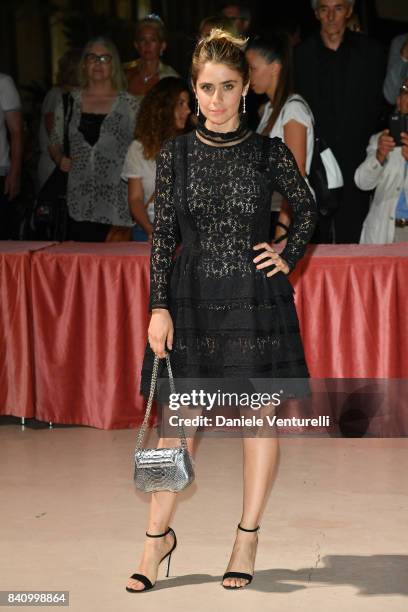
x=222, y=137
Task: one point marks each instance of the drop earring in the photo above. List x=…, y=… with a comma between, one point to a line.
x=198, y=108
x=243, y=105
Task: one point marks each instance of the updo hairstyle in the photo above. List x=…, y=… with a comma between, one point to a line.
x=220, y=47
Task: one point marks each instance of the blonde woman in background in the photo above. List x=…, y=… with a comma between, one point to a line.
x=100, y=132
x=150, y=42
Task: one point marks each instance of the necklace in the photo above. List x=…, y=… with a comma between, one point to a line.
x=150, y=76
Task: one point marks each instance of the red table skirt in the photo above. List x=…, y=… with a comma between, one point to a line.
x=90, y=307
x=16, y=341
x=351, y=302
x=90, y=318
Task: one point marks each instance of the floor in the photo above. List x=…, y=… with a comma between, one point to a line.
x=334, y=536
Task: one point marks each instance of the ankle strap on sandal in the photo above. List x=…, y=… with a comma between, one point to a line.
x=159, y=535
x=249, y=530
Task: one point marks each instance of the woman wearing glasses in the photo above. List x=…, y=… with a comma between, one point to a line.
x=101, y=129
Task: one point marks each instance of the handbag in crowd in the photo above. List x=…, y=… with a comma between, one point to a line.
x=162, y=469
x=325, y=176
x=50, y=215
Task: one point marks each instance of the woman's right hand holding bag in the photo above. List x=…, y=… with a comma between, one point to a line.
x=160, y=332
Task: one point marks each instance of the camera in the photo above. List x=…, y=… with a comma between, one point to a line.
x=398, y=123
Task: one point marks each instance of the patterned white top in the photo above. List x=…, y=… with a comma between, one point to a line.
x=95, y=190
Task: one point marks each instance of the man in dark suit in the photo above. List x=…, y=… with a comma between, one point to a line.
x=340, y=74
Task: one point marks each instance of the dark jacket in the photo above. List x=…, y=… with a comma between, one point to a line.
x=344, y=92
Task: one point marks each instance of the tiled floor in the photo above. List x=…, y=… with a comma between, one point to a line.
x=334, y=536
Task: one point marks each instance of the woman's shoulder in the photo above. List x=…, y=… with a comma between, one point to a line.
x=54, y=92
x=135, y=148
x=274, y=148
x=129, y=99
x=73, y=96
x=179, y=140
x=267, y=142
x=296, y=104
x=51, y=99
x=136, y=164
x=131, y=66
x=270, y=149
x=167, y=71
x=295, y=97
x=168, y=147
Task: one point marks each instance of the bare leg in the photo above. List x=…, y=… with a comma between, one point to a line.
x=160, y=513
x=260, y=462
x=162, y=506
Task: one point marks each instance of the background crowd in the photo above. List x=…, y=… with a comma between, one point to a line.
x=104, y=122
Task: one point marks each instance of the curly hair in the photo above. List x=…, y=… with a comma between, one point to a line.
x=155, y=121
x=220, y=47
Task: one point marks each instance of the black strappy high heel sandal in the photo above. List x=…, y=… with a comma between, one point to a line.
x=239, y=574
x=144, y=579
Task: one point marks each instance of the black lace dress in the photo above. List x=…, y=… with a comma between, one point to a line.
x=213, y=194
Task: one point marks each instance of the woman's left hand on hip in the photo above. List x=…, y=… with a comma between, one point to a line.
x=269, y=257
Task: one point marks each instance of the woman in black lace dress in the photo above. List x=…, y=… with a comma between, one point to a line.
x=225, y=307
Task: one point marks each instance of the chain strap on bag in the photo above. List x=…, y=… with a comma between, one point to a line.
x=162, y=469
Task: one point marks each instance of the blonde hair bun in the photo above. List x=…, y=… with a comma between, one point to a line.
x=221, y=47
x=218, y=34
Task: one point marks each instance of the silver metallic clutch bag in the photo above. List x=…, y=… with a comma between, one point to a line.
x=162, y=469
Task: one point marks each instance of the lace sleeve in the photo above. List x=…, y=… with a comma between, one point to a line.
x=165, y=230
x=290, y=183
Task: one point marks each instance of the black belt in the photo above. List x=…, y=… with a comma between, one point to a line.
x=401, y=222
